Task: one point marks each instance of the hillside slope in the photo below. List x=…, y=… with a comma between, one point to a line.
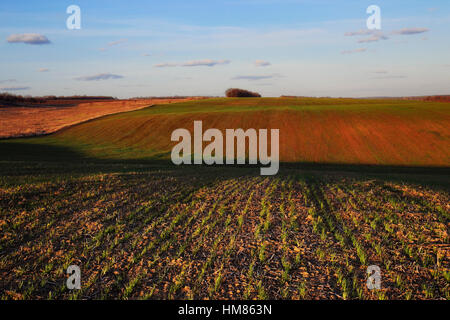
x=24, y=120
x=341, y=131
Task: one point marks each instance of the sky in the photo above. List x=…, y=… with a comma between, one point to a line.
x=140, y=48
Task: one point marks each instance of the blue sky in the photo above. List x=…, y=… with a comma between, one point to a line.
x=291, y=47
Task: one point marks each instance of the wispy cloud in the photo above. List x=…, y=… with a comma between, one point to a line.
x=374, y=38
x=101, y=76
x=359, y=33
x=257, y=77
x=28, y=38
x=378, y=35
x=8, y=80
x=205, y=62
x=114, y=43
x=43, y=70
x=262, y=63
x=194, y=63
x=165, y=65
x=390, y=77
x=410, y=31
x=14, y=88
x=375, y=35
x=359, y=50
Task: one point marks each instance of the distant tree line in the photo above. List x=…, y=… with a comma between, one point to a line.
x=12, y=98
x=438, y=98
x=241, y=93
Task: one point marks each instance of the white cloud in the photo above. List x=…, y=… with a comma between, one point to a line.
x=43, y=70
x=101, y=76
x=28, y=38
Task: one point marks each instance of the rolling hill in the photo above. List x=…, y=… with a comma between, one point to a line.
x=312, y=130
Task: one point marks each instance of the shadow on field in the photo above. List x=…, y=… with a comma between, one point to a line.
x=19, y=151
x=22, y=158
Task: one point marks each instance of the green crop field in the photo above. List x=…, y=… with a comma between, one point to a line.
x=362, y=182
x=341, y=131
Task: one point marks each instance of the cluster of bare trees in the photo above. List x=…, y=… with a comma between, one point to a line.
x=241, y=93
x=12, y=98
